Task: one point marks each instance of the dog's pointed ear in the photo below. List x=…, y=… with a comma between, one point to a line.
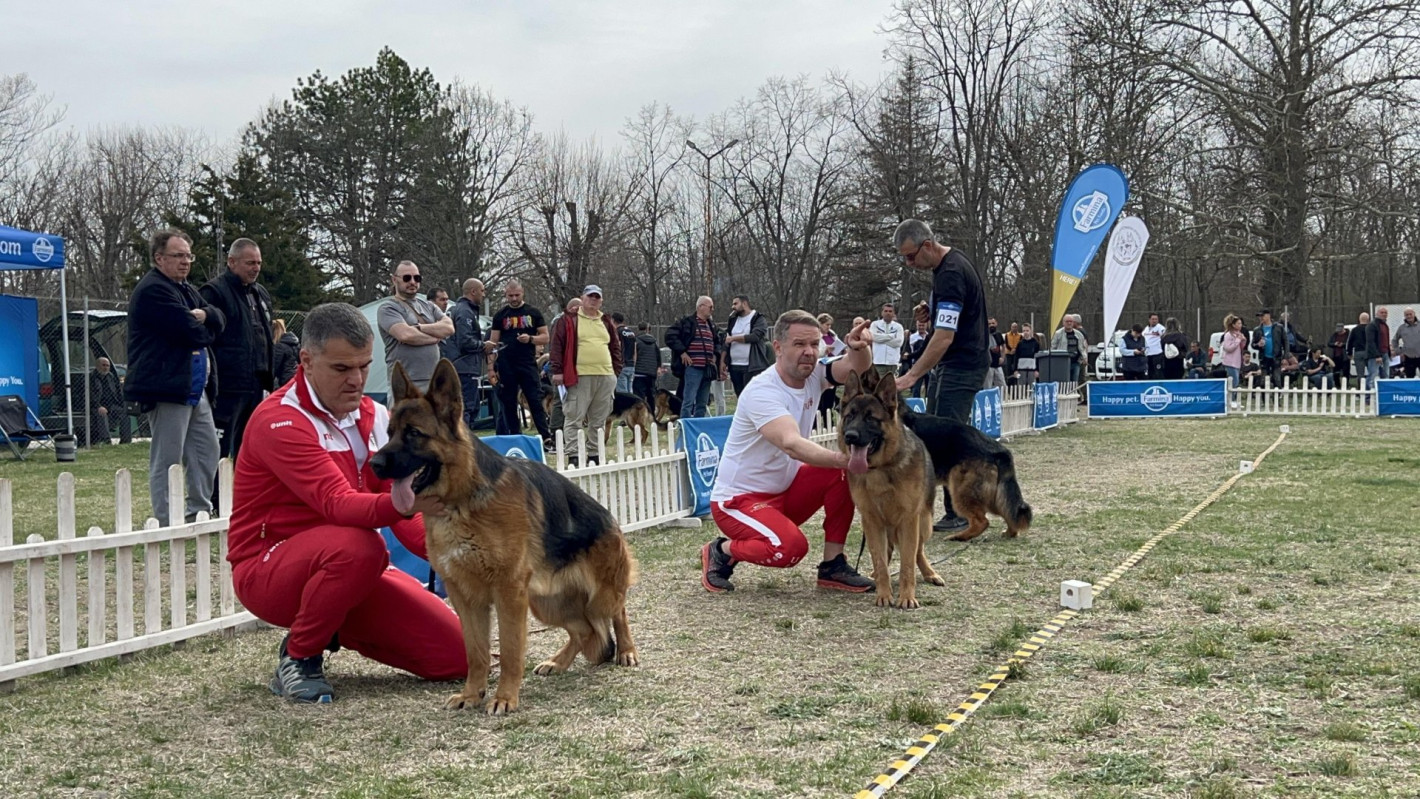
x=401, y=387
x=887, y=392
x=852, y=387
x=446, y=394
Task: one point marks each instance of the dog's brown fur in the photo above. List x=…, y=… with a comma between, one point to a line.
x=894, y=497
x=495, y=547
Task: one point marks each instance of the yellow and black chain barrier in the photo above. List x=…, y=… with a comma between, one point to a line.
x=919, y=749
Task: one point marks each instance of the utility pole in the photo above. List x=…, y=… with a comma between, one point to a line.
x=709, y=273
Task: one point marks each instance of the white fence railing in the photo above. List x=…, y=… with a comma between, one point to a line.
x=109, y=593
x=66, y=619
x=1356, y=399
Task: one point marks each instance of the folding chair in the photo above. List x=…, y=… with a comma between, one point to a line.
x=19, y=426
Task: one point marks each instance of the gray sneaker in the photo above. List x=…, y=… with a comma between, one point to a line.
x=302, y=679
x=950, y=523
x=839, y=576
x=715, y=568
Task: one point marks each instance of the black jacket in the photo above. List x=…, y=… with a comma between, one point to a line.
x=1356, y=342
x=243, y=349
x=285, y=357
x=1377, y=340
x=1279, y=341
x=467, y=349
x=761, y=353
x=162, y=336
x=648, y=355
x=679, y=336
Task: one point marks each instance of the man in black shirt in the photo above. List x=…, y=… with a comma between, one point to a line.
x=627, y=336
x=519, y=328
x=243, y=350
x=957, y=352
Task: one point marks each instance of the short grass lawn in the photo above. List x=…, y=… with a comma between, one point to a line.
x=1268, y=649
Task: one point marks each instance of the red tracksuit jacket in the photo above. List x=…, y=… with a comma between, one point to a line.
x=296, y=472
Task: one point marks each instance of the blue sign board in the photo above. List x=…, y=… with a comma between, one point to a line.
x=917, y=404
x=529, y=447
x=1145, y=398
x=21, y=249
x=986, y=412
x=19, y=358
x=704, y=441
x=1398, y=397
x=1047, y=405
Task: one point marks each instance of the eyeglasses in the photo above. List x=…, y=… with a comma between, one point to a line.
x=907, y=257
x=180, y=256
x=410, y=278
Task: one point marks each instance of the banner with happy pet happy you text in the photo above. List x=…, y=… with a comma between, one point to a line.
x=1092, y=203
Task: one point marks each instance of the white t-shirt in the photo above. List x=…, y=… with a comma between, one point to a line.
x=739, y=351
x=1152, y=342
x=752, y=465
x=887, y=342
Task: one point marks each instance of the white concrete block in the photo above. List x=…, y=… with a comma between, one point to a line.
x=1077, y=595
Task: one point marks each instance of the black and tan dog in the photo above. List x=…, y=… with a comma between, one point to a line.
x=630, y=409
x=890, y=476
x=978, y=471
x=668, y=405
x=515, y=535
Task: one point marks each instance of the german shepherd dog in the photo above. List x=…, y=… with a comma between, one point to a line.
x=978, y=472
x=628, y=408
x=668, y=405
x=890, y=477
x=515, y=535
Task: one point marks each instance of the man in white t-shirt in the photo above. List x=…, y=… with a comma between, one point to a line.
x=772, y=478
x=1154, y=346
x=887, y=336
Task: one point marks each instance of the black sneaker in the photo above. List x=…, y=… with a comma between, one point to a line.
x=950, y=523
x=839, y=576
x=716, y=568
x=548, y=445
x=302, y=679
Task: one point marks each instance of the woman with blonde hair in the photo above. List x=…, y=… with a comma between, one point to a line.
x=285, y=355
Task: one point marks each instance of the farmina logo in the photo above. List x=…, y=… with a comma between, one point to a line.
x=707, y=458
x=516, y=452
x=1156, y=398
x=1091, y=212
x=42, y=249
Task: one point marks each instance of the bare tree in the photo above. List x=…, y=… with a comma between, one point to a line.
x=655, y=148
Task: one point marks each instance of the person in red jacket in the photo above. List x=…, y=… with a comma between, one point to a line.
x=585, y=357
x=303, y=538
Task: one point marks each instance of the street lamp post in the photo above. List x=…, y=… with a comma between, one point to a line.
x=709, y=279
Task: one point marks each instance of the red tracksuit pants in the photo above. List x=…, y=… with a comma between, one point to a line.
x=764, y=528
x=334, y=579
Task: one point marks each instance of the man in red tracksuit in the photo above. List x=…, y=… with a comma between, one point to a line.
x=304, y=544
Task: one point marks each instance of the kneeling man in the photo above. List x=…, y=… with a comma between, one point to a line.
x=772, y=478
x=304, y=539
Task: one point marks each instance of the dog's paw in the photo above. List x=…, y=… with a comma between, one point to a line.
x=628, y=658
x=884, y=600
x=463, y=701
x=909, y=603
x=502, y=707
x=546, y=667
x=935, y=579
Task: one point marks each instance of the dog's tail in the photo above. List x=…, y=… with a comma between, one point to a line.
x=1009, y=502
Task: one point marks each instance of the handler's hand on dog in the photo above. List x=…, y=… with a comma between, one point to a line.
x=429, y=506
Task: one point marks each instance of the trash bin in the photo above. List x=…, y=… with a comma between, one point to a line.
x=64, y=447
x=1053, y=366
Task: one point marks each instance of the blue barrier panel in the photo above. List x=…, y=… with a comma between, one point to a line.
x=529, y=447
x=1398, y=397
x=1145, y=398
x=1047, y=405
x=917, y=404
x=986, y=412
x=704, y=440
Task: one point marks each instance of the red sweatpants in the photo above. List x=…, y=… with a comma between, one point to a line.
x=764, y=528
x=338, y=579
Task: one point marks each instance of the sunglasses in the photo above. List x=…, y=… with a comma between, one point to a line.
x=410, y=278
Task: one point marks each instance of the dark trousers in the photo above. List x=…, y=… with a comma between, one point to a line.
x=740, y=375
x=644, y=386
x=950, y=396
x=231, y=413
x=510, y=382
x=1409, y=364
x=472, y=388
x=101, y=426
x=1156, y=366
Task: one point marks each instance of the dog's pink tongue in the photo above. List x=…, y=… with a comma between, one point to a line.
x=857, y=460
x=402, y=494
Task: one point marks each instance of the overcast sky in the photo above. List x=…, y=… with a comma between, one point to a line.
x=581, y=66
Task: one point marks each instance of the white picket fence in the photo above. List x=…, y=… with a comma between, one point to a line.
x=1356, y=399
x=66, y=619
x=1018, y=408
x=70, y=583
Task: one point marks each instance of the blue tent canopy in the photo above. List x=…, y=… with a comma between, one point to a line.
x=25, y=250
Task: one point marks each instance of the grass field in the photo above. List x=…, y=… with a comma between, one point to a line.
x=1268, y=649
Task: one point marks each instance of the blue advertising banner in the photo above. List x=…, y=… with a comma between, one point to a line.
x=1092, y=203
x=1398, y=397
x=19, y=358
x=704, y=440
x=21, y=249
x=1047, y=405
x=986, y=412
x=917, y=404
x=528, y=447
x=1136, y=398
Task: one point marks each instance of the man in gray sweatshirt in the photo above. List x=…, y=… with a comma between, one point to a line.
x=1406, y=343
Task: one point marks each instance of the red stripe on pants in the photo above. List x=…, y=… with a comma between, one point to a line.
x=333, y=579
x=770, y=536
